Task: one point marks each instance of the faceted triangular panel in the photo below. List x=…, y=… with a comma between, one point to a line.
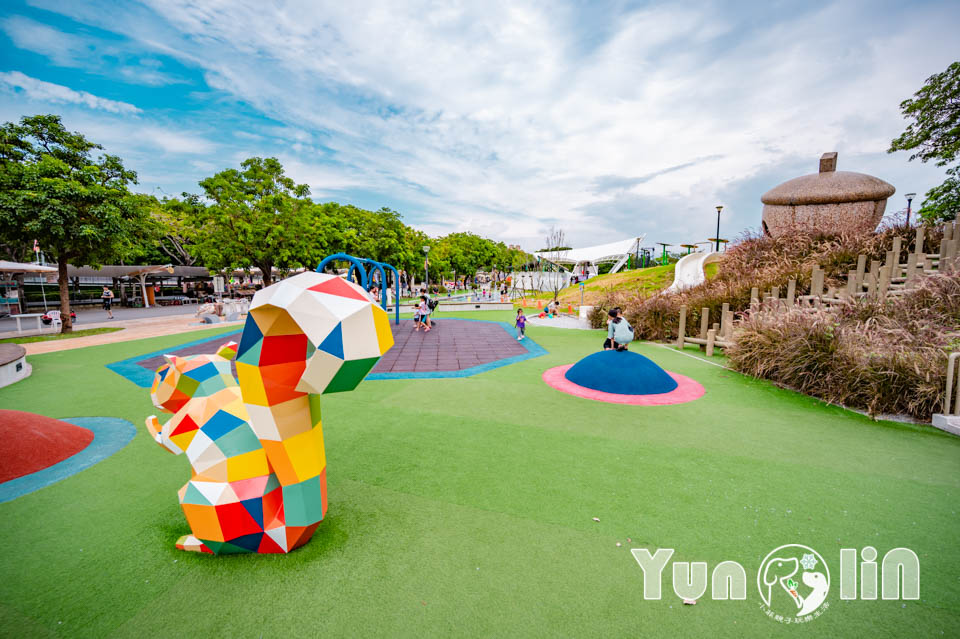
x=333, y=344
x=350, y=375
x=341, y=288
x=250, y=336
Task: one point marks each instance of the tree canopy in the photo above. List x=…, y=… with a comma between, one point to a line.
x=258, y=216
x=78, y=207
x=933, y=133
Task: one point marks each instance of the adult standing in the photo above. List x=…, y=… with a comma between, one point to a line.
x=107, y=297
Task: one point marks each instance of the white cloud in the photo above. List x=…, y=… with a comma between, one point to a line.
x=58, y=94
x=506, y=117
x=175, y=141
x=62, y=48
x=148, y=73
x=110, y=58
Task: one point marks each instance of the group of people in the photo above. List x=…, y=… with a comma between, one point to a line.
x=421, y=315
x=619, y=331
x=552, y=308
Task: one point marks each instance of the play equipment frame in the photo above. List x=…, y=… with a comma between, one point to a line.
x=357, y=265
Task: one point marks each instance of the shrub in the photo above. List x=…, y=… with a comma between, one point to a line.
x=884, y=356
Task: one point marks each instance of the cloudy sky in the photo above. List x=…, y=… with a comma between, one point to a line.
x=609, y=119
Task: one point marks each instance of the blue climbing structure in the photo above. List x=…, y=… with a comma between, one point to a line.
x=361, y=272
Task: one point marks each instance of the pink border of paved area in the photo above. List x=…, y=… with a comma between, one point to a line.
x=687, y=390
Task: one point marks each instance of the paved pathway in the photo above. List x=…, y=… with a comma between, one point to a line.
x=559, y=322
x=94, y=315
x=133, y=329
x=452, y=345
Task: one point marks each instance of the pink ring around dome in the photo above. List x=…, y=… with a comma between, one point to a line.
x=686, y=391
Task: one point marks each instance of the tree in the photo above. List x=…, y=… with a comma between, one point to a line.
x=464, y=253
x=380, y=235
x=556, y=241
x=942, y=203
x=175, y=237
x=79, y=208
x=164, y=237
x=933, y=133
x=414, y=240
x=258, y=217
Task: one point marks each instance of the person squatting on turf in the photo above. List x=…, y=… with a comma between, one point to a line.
x=619, y=331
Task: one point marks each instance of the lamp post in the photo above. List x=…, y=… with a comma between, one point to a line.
x=719, y=208
x=426, y=269
x=909, y=197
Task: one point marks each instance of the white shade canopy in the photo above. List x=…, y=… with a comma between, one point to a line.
x=612, y=252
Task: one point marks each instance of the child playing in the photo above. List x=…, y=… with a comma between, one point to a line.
x=521, y=324
x=424, y=311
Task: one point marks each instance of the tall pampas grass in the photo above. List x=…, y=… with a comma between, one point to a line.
x=884, y=356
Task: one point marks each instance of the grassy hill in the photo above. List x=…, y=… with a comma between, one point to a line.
x=647, y=280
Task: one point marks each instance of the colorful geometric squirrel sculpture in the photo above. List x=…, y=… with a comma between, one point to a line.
x=256, y=447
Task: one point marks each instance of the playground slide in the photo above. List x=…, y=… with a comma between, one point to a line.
x=689, y=270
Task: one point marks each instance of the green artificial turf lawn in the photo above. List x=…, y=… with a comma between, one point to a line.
x=464, y=507
x=57, y=336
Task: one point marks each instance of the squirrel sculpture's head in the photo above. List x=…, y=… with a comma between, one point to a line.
x=309, y=334
x=182, y=378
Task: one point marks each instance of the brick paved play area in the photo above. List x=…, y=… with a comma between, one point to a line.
x=454, y=348
x=452, y=345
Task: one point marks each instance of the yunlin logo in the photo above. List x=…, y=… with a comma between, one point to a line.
x=793, y=580
x=787, y=594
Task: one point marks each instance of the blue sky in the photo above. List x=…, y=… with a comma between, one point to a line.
x=608, y=119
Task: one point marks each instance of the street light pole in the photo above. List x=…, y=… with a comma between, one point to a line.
x=719, y=208
x=909, y=197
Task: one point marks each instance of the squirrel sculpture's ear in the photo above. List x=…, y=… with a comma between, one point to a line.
x=228, y=350
x=171, y=359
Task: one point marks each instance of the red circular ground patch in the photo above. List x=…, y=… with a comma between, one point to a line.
x=30, y=442
x=687, y=390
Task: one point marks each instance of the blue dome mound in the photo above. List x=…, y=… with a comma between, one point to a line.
x=622, y=373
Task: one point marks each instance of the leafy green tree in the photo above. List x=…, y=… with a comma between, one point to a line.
x=164, y=237
x=412, y=258
x=467, y=253
x=380, y=235
x=258, y=217
x=79, y=208
x=942, y=202
x=175, y=237
x=933, y=133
